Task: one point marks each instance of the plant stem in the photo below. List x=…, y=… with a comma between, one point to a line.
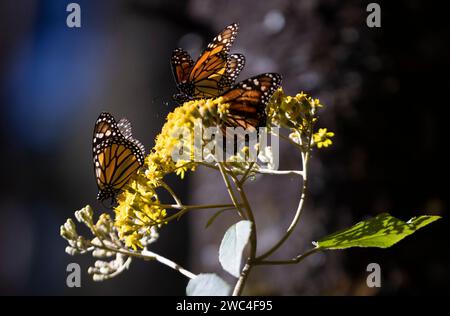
x=149, y=255
x=207, y=165
x=280, y=172
x=230, y=189
x=242, y=279
x=174, y=196
x=289, y=261
x=289, y=140
x=239, y=287
x=190, y=207
x=248, y=215
x=305, y=159
x=169, y=263
x=187, y=208
x=247, y=172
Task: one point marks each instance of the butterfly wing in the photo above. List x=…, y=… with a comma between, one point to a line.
x=182, y=64
x=248, y=100
x=235, y=64
x=117, y=156
x=209, y=74
x=124, y=127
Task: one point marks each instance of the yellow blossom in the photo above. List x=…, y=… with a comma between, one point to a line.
x=180, y=123
x=322, y=138
x=296, y=112
x=138, y=207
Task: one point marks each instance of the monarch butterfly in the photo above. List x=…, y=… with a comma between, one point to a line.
x=117, y=155
x=213, y=72
x=248, y=100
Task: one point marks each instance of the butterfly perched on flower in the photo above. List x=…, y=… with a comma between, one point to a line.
x=248, y=100
x=214, y=71
x=117, y=155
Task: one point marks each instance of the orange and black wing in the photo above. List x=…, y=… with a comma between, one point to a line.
x=248, y=100
x=235, y=64
x=117, y=156
x=181, y=66
x=211, y=74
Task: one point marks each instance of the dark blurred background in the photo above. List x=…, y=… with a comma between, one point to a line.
x=385, y=91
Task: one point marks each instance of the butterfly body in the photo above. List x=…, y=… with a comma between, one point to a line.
x=116, y=154
x=213, y=72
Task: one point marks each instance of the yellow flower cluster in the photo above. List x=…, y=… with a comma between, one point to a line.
x=297, y=112
x=177, y=135
x=137, y=211
x=322, y=138
x=138, y=207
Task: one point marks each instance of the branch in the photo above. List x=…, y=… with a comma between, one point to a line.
x=230, y=190
x=186, y=208
x=148, y=255
x=247, y=172
x=239, y=287
x=289, y=261
x=174, y=196
x=305, y=158
x=280, y=172
x=169, y=263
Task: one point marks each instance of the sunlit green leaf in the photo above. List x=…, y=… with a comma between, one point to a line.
x=382, y=231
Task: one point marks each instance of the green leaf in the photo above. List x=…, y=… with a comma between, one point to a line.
x=208, y=284
x=232, y=246
x=382, y=231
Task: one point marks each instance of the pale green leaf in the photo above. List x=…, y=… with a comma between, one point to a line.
x=208, y=284
x=232, y=246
